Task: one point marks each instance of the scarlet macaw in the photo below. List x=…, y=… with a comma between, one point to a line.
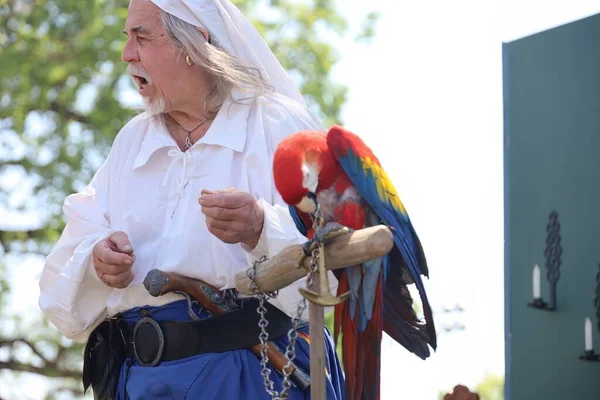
x=338, y=176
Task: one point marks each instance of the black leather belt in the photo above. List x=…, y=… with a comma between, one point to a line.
x=154, y=341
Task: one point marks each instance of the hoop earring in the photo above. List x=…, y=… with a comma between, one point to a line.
x=188, y=60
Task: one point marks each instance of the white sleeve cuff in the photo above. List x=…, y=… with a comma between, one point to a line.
x=279, y=231
x=72, y=296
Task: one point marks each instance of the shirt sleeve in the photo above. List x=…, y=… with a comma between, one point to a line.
x=72, y=296
x=279, y=230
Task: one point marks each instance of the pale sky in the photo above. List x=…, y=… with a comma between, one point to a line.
x=426, y=95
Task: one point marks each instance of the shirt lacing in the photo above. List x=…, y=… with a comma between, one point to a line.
x=187, y=163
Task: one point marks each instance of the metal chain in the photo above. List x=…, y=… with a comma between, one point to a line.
x=290, y=351
x=262, y=323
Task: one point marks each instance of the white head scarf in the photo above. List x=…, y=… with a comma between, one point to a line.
x=234, y=32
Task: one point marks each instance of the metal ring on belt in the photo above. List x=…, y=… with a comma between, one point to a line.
x=161, y=341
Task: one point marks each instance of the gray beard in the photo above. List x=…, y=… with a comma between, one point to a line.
x=156, y=106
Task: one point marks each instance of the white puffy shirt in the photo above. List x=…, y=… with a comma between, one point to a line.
x=148, y=188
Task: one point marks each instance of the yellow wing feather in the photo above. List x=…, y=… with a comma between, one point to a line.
x=385, y=188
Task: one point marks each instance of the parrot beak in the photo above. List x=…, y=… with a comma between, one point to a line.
x=313, y=197
x=309, y=204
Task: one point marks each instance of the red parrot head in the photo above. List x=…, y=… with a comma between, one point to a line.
x=297, y=168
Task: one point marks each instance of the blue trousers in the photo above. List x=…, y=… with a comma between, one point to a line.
x=218, y=376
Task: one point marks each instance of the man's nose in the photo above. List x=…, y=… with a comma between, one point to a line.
x=130, y=53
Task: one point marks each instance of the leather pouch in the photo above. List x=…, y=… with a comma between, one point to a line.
x=104, y=355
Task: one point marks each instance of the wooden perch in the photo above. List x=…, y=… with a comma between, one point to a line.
x=351, y=249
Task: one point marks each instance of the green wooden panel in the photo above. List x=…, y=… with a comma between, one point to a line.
x=552, y=161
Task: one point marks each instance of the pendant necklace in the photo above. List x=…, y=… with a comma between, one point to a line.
x=188, y=141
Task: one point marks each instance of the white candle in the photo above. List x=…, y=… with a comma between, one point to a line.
x=588, y=335
x=536, y=282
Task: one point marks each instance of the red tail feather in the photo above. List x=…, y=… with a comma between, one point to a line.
x=370, y=345
x=340, y=313
x=347, y=328
x=361, y=351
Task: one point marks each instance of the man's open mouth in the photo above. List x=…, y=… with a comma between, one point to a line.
x=140, y=81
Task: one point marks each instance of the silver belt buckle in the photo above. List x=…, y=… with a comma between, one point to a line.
x=161, y=341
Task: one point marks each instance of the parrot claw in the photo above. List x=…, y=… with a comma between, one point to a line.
x=331, y=230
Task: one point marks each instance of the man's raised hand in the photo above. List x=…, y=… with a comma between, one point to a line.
x=113, y=258
x=233, y=216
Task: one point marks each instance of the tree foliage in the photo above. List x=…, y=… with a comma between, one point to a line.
x=61, y=105
x=491, y=387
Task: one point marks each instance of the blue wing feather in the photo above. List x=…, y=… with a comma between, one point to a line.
x=370, y=270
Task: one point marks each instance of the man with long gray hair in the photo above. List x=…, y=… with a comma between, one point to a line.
x=186, y=188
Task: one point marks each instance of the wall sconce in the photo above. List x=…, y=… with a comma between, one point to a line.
x=552, y=253
x=589, y=354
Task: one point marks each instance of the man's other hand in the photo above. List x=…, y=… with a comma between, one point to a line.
x=233, y=216
x=113, y=258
